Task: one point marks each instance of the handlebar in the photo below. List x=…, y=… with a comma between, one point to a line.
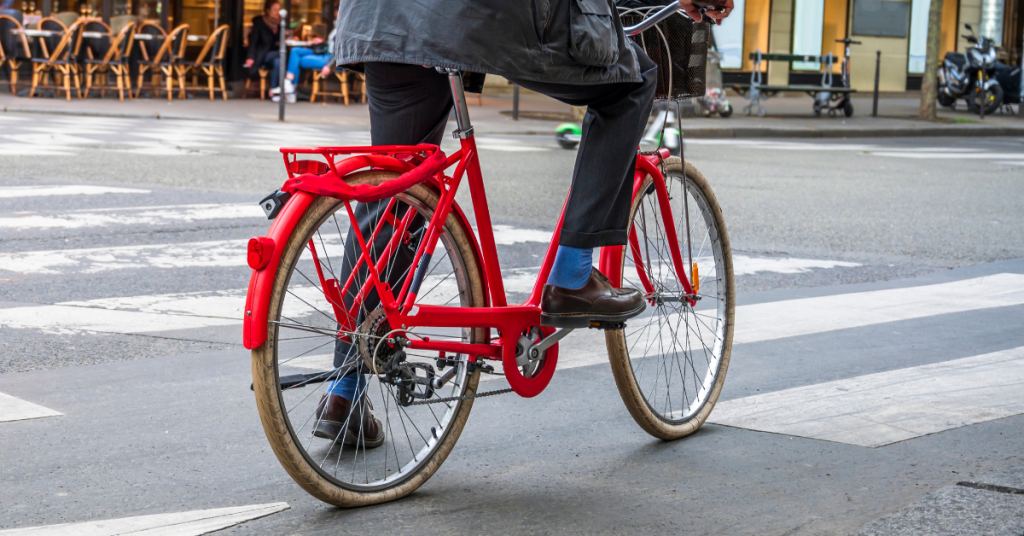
x=848, y=41
x=661, y=15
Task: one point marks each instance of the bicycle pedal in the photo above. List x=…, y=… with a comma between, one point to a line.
x=597, y=324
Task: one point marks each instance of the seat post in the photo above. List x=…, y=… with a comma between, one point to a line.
x=461, y=108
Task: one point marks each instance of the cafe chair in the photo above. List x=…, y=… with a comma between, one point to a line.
x=13, y=48
x=110, y=63
x=167, y=61
x=210, y=63
x=146, y=49
x=343, y=92
x=62, y=60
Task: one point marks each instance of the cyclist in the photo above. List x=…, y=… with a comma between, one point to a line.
x=572, y=50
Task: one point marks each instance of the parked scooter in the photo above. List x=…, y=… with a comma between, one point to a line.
x=714, y=102
x=971, y=76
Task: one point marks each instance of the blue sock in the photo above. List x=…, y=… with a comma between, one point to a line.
x=572, y=267
x=350, y=387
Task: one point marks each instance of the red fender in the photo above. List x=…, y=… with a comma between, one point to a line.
x=261, y=283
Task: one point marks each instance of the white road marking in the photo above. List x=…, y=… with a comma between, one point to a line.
x=214, y=253
x=883, y=408
x=319, y=362
x=948, y=156
x=8, y=192
x=60, y=319
x=874, y=150
x=27, y=149
x=192, y=523
x=16, y=409
x=791, y=318
x=155, y=215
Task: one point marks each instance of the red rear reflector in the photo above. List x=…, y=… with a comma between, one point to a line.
x=315, y=167
x=260, y=250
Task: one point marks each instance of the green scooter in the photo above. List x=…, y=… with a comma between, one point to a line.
x=568, y=135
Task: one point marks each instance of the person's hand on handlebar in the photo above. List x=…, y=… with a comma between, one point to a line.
x=720, y=9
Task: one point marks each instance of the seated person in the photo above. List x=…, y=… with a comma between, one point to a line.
x=317, y=57
x=264, y=42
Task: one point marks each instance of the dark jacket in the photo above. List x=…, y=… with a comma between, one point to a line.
x=556, y=41
x=262, y=39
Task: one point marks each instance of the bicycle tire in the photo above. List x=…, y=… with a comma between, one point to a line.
x=637, y=401
x=266, y=377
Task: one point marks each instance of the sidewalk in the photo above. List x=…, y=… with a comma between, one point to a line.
x=788, y=116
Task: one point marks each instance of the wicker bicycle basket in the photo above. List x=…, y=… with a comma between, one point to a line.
x=680, y=48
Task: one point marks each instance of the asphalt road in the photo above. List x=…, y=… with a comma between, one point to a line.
x=110, y=227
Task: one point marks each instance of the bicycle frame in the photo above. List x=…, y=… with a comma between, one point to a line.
x=400, y=306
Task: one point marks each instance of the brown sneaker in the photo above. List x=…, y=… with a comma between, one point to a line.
x=364, y=429
x=597, y=304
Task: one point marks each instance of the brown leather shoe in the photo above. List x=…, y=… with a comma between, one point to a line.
x=598, y=304
x=364, y=430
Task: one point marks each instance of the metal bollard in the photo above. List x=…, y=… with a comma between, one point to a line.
x=282, y=63
x=878, y=66
x=515, y=102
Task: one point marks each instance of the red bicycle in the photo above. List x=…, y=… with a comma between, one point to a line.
x=420, y=307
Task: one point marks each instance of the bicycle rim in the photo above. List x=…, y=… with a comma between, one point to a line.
x=670, y=362
x=342, y=468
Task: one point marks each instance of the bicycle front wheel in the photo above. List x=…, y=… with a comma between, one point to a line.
x=670, y=363
x=339, y=455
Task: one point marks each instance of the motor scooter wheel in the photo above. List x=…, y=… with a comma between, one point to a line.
x=848, y=107
x=947, y=101
x=993, y=99
x=726, y=111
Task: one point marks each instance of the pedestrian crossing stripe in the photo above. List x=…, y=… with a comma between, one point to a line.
x=153, y=215
x=10, y=192
x=232, y=253
x=194, y=523
x=16, y=409
x=883, y=408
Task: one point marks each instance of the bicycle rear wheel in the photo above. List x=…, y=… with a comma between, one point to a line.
x=302, y=358
x=670, y=363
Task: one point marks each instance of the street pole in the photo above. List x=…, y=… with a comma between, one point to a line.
x=874, y=101
x=282, y=66
x=515, y=102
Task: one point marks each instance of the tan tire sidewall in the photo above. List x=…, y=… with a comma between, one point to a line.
x=618, y=356
x=265, y=375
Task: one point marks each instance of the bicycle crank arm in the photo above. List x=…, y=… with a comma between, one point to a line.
x=547, y=342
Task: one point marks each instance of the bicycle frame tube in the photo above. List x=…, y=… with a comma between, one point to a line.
x=401, y=309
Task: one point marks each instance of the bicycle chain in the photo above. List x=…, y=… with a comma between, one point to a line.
x=463, y=397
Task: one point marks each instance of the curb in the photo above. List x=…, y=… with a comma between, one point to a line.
x=124, y=115
x=694, y=133
x=745, y=133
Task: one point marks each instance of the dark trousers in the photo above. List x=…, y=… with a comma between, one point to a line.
x=410, y=104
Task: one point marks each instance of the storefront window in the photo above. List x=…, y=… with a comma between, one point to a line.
x=808, y=20
x=729, y=37
x=198, y=14
x=83, y=8
x=148, y=11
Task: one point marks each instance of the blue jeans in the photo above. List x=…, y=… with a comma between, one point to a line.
x=271, y=61
x=304, y=58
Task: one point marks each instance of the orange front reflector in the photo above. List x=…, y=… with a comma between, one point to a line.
x=696, y=279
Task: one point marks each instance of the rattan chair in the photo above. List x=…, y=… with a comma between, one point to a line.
x=344, y=92
x=13, y=48
x=210, y=63
x=60, y=60
x=167, y=60
x=111, y=62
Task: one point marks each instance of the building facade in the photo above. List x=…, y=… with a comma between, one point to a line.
x=897, y=28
